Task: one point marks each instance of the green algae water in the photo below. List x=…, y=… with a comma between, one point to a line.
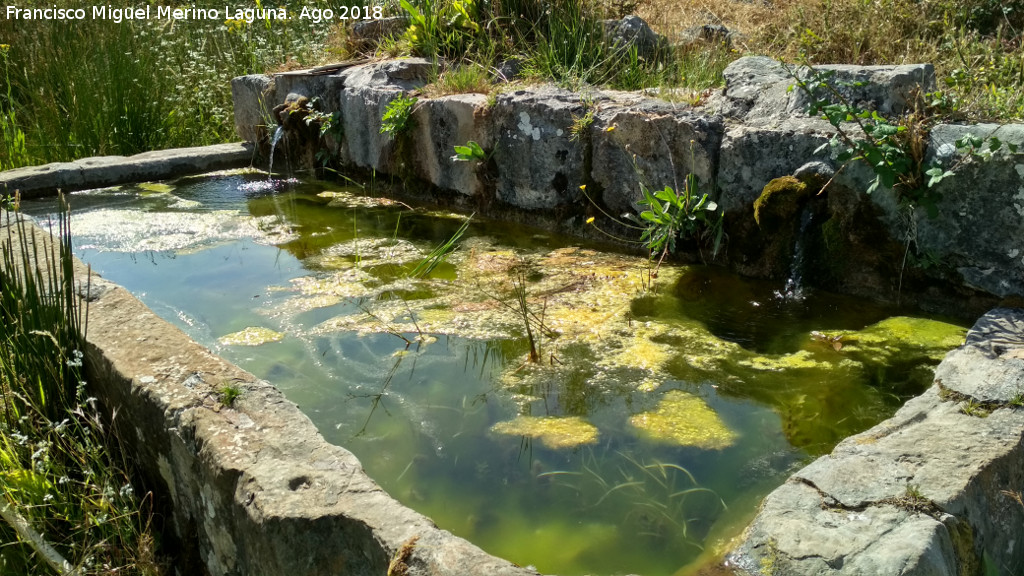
x=541, y=398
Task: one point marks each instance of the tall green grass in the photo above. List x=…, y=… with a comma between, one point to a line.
x=94, y=87
x=66, y=504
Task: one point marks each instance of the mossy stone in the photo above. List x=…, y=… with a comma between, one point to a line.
x=779, y=200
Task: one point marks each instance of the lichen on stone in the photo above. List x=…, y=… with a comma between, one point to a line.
x=684, y=419
x=554, y=432
x=251, y=336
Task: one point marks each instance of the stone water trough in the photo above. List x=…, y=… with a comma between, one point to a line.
x=935, y=490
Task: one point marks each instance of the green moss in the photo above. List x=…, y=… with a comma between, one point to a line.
x=962, y=535
x=684, y=419
x=553, y=432
x=780, y=197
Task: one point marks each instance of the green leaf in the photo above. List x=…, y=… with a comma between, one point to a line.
x=936, y=175
x=666, y=195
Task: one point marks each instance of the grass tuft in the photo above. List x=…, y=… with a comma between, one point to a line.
x=66, y=501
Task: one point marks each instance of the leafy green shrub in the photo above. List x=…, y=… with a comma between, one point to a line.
x=670, y=215
x=470, y=152
x=395, y=120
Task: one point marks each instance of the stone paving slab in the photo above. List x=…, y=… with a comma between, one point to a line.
x=103, y=171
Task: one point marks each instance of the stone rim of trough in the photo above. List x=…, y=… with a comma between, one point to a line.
x=253, y=488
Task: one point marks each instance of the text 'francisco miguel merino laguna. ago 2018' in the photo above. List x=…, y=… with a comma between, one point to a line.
x=113, y=14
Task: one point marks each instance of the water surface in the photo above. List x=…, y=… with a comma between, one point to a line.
x=651, y=420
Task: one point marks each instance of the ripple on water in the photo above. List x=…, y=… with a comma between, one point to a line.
x=114, y=230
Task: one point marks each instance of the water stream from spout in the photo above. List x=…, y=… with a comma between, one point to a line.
x=278, y=134
x=794, y=289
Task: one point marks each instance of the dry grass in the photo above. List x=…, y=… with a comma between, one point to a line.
x=842, y=31
x=976, y=47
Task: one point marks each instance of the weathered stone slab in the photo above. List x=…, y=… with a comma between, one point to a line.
x=538, y=164
x=404, y=74
x=440, y=125
x=889, y=90
x=990, y=367
x=368, y=91
x=760, y=90
x=951, y=470
x=808, y=536
x=102, y=171
x=363, y=145
x=254, y=97
x=653, y=143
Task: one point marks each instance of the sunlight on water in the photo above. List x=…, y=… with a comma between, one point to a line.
x=642, y=437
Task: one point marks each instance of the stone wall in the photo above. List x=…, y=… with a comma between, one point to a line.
x=547, y=142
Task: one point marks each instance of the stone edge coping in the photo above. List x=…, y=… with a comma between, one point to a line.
x=253, y=488
x=931, y=490
x=102, y=171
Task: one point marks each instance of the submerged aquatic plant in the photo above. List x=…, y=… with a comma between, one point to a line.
x=555, y=432
x=658, y=500
x=684, y=419
x=441, y=252
x=251, y=336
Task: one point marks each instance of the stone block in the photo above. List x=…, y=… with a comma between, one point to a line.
x=655, y=144
x=538, y=164
x=980, y=222
x=440, y=125
x=363, y=145
x=254, y=98
x=760, y=90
